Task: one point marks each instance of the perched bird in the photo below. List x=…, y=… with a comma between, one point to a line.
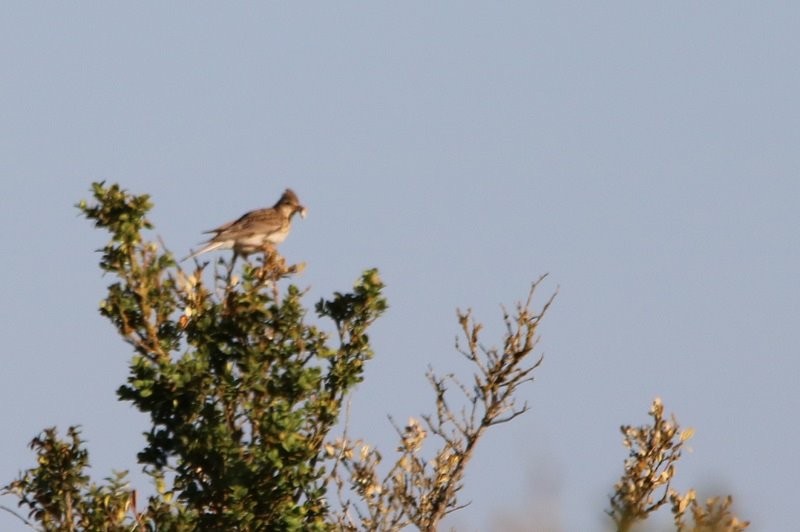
x=257, y=230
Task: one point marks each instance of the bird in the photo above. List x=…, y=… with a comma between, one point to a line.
x=256, y=230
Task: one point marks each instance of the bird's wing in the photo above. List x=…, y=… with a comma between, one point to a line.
x=222, y=228
x=260, y=221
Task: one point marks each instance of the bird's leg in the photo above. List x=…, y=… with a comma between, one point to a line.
x=230, y=268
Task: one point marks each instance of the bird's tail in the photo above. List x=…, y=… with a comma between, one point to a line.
x=210, y=247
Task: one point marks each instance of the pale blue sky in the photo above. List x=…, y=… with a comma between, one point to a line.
x=645, y=154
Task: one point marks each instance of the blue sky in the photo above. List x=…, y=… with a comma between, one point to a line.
x=644, y=154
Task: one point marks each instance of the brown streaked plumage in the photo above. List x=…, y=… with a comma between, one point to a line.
x=257, y=230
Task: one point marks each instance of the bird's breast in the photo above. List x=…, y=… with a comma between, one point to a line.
x=276, y=237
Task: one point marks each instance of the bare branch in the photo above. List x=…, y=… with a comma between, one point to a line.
x=15, y=514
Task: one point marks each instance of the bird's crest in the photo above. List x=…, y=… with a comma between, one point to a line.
x=288, y=198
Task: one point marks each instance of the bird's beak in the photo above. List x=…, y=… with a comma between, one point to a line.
x=303, y=212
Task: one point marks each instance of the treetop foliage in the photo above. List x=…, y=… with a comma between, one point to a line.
x=243, y=387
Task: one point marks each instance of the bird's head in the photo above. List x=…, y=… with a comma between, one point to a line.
x=289, y=201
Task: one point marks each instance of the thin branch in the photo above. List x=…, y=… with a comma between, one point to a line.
x=15, y=514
